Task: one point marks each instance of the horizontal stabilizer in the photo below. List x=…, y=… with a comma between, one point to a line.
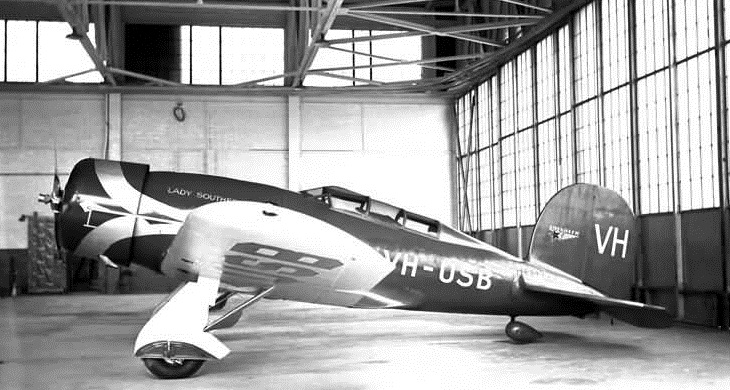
x=634, y=313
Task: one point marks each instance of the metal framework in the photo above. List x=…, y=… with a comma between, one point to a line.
x=483, y=27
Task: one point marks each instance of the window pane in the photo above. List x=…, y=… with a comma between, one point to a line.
x=695, y=26
x=507, y=97
x=546, y=98
x=564, y=63
x=185, y=54
x=566, y=160
x=526, y=176
x=586, y=141
x=655, y=160
x=251, y=54
x=615, y=43
x=548, y=157
x=21, y=51
x=407, y=48
x=327, y=58
x=509, y=203
x=486, y=189
x=652, y=42
x=362, y=59
x=697, y=142
x=617, y=143
x=584, y=46
x=206, y=55
x=524, y=90
x=496, y=156
x=58, y=56
x=2, y=50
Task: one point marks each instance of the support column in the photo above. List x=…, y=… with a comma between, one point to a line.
x=515, y=157
x=535, y=134
x=600, y=133
x=634, y=125
x=113, y=126
x=115, y=38
x=674, y=124
x=722, y=146
x=295, y=142
x=573, y=123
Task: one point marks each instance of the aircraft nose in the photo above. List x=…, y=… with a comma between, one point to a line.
x=71, y=217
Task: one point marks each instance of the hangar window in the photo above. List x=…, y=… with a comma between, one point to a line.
x=615, y=43
x=546, y=93
x=22, y=62
x=509, y=204
x=548, y=157
x=526, y=176
x=3, y=43
x=584, y=53
x=58, y=56
x=695, y=30
x=33, y=51
x=617, y=143
x=359, y=57
x=566, y=160
x=651, y=36
x=216, y=55
x=564, y=65
x=655, y=140
x=587, y=143
x=697, y=138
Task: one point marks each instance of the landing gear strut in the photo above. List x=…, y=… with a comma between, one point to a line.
x=521, y=333
x=221, y=300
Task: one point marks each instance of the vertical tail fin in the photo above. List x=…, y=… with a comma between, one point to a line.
x=589, y=232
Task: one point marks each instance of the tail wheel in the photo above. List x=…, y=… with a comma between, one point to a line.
x=172, y=368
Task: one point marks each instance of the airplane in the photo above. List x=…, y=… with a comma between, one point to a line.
x=222, y=237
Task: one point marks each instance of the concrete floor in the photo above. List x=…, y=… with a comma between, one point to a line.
x=85, y=342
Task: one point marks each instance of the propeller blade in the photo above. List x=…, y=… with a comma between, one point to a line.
x=56, y=195
x=56, y=201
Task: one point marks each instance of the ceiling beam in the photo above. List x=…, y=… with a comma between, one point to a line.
x=423, y=28
x=414, y=62
x=430, y=13
x=348, y=78
x=451, y=29
x=80, y=27
x=151, y=79
x=382, y=3
x=68, y=76
x=528, y=5
x=243, y=6
x=445, y=69
x=324, y=23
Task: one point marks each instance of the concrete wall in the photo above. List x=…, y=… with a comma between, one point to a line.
x=392, y=148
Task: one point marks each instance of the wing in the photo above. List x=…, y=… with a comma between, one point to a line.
x=635, y=313
x=258, y=245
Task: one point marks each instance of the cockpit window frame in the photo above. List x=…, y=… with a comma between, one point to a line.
x=365, y=210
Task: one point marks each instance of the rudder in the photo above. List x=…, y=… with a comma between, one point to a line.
x=589, y=232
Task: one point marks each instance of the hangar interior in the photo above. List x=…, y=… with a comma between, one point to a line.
x=474, y=112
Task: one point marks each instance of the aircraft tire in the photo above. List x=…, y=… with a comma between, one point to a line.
x=172, y=370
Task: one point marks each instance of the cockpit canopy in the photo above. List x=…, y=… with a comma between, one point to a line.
x=351, y=202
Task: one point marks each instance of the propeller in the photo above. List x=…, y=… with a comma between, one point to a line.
x=55, y=199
